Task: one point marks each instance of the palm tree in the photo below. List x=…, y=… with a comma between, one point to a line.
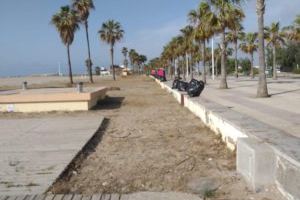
x=217, y=53
x=227, y=13
x=173, y=56
x=293, y=32
x=233, y=36
x=274, y=38
x=296, y=32
x=203, y=19
x=195, y=57
x=167, y=57
x=180, y=53
x=141, y=61
x=262, y=89
x=111, y=32
x=82, y=8
x=249, y=45
x=130, y=54
x=125, y=52
x=187, y=33
x=133, y=57
x=66, y=24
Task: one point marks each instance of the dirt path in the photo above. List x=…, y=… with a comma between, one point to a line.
x=151, y=143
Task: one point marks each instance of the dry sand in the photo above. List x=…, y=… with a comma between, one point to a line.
x=150, y=143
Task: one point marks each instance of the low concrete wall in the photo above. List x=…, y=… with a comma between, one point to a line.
x=45, y=107
x=50, y=100
x=267, y=150
x=209, y=113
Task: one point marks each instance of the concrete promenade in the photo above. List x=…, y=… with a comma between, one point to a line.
x=35, y=151
x=281, y=111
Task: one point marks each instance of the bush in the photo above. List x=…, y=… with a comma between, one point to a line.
x=296, y=71
x=245, y=64
x=230, y=66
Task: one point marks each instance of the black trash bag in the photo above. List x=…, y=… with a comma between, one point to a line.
x=175, y=84
x=195, y=88
x=183, y=86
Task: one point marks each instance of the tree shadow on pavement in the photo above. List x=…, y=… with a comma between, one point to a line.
x=285, y=92
x=280, y=82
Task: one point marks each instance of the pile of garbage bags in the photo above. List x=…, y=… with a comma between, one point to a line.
x=193, y=88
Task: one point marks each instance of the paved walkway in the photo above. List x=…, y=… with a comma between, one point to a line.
x=281, y=111
x=35, y=151
x=135, y=196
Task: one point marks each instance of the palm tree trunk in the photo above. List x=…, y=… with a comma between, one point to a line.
x=203, y=62
x=217, y=63
x=173, y=67
x=112, y=62
x=139, y=68
x=251, y=69
x=169, y=69
x=274, y=63
x=89, y=52
x=223, y=83
x=70, y=66
x=236, y=59
x=183, y=70
x=191, y=68
x=262, y=89
x=187, y=64
x=178, y=66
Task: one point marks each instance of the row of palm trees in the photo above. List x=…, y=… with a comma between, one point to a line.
x=210, y=18
x=136, y=60
x=224, y=17
x=67, y=21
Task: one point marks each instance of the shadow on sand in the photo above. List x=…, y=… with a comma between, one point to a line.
x=109, y=103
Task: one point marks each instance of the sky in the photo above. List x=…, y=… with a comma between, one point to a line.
x=29, y=44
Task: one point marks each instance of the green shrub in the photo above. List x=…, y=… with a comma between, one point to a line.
x=296, y=71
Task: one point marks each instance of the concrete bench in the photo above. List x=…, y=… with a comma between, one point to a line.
x=51, y=99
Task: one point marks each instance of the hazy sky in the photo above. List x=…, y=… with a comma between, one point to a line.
x=29, y=44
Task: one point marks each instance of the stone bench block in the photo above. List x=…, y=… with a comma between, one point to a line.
x=256, y=161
